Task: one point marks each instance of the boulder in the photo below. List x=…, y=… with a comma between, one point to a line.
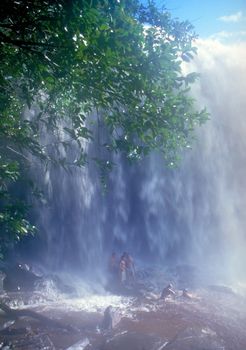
x=19, y=278
x=110, y=319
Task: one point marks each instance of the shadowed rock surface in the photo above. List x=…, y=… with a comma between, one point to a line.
x=19, y=278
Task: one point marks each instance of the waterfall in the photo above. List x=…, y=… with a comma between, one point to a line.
x=193, y=214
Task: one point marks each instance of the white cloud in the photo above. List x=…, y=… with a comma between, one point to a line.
x=236, y=17
x=225, y=36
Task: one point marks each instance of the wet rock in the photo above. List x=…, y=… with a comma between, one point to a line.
x=61, y=286
x=10, y=331
x=196, y=339
x=107, y=322
x=19, y=278
x=33, y=342
x=222, y=289
x=53, y=284
x=132, y=340
x=110, y=319
x=5, y=347
x=80, y=345
x=6, y=324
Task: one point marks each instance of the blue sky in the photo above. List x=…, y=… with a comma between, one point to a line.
x=222, y=19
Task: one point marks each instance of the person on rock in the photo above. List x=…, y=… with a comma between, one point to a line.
x=167, y=291
x=185, y=294
x=189, y=296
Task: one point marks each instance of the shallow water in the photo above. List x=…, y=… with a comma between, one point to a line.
x=213, y=318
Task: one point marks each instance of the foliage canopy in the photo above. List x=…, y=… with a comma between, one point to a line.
x=64, y=62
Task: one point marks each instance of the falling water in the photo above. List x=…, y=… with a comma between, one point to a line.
x=193, y=214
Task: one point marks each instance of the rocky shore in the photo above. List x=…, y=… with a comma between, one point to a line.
x=46, y=314
x=211, y=319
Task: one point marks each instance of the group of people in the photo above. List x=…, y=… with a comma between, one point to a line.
x=123, y=268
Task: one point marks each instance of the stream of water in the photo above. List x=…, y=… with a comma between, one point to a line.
x=192, y=215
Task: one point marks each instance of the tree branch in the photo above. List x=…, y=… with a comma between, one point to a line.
x=23, y=43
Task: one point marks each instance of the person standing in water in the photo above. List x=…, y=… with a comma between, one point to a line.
x=130, y=268
x=113, y=263
x=122, y=269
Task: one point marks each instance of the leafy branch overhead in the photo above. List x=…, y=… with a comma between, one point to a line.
x=96, y=71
